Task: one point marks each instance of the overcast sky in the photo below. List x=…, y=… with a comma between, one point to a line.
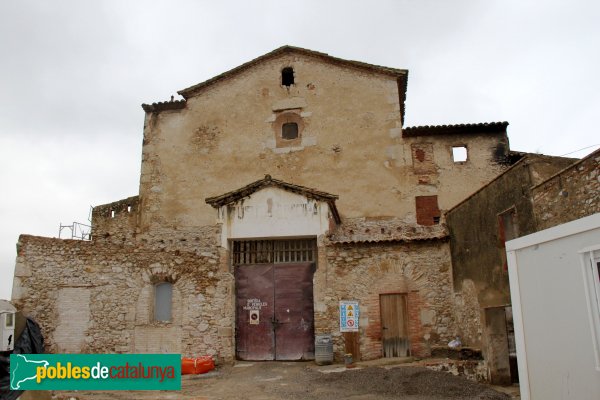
x=73, y=75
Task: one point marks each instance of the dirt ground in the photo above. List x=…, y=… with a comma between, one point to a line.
x=304, y=380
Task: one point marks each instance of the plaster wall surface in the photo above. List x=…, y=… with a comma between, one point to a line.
x=273, y=212
x=351, y=145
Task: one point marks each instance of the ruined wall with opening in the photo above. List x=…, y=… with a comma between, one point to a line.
x=364, y=271
x=573, y=193
x=117, y=221
x=428, y=166
x=97, y=297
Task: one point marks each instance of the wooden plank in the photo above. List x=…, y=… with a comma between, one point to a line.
x=394, y=325
x=352, y=344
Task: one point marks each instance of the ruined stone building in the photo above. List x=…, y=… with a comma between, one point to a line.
x=535, y=193
x=267, y=195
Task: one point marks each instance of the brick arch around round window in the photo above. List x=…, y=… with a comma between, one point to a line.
x=283, y=121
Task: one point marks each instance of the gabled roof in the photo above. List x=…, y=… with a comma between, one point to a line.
x=400, y=74
x=267, y=181
x=459, y=129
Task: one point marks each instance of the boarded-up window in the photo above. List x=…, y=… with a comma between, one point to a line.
x=428, y=212
x=508, y=225
x=163, y=298
x=422, y=157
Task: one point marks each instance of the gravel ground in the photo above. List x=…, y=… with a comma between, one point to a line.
x=290, y=381
x=394, y=383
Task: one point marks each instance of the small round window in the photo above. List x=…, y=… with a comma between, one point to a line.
x=289, y=131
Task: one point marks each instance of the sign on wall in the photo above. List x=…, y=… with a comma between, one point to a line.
x=349, y=314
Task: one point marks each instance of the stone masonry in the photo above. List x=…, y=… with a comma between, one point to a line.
x=377, y=190
x=570, y=194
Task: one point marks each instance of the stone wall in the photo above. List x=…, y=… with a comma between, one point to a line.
x=479, y=227
x=480, y=274
x=115, y=222
x=97, y=297
x=364, y=271
x=571, y=194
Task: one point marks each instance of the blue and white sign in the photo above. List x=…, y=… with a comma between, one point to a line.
x=349, y=314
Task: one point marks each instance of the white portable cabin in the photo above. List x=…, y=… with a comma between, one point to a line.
x=555, y=290
x=7, y=326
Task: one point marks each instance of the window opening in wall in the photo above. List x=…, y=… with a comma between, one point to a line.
x=112, y=213
x=163, y=297
x=287, y=76
x=459, y=154
x=289, y=130
x=436, y=220
x=128, y=208
x=591, y=265
x=273, y=251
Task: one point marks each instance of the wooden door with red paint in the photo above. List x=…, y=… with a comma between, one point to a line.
x=274, y=306
x=255, y=338
x=294, y=334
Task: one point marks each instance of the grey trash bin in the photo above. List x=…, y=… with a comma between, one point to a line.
x=323, y=349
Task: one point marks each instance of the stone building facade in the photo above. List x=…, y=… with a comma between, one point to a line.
x=535, y=193
x=267, y=195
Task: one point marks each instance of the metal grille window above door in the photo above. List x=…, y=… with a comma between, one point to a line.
x=273, y=251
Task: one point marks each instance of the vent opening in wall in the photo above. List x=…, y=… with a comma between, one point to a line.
x=287, y=76
x=289, y=130
x=459, y=154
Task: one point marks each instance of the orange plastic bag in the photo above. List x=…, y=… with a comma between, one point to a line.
x=199, y=365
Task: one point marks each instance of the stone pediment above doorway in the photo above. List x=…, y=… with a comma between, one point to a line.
x=271, y=208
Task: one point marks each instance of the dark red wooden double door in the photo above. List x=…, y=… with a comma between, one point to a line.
x=274, y=307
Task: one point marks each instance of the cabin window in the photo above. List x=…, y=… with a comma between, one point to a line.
x=591, y=271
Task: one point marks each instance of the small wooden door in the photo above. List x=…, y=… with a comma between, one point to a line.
x=394, y=325
x=274, y=306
